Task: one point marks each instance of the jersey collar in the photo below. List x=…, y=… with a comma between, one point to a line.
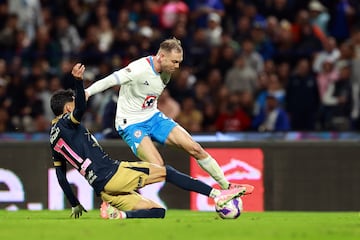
x=150, y=60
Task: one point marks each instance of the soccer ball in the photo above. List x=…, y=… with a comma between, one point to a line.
x=231, y=210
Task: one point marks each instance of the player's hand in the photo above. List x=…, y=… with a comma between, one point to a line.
x=86, y=95
x=76, y=212
x=78, y=71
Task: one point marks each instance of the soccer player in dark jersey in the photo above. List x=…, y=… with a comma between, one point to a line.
x=115, y=181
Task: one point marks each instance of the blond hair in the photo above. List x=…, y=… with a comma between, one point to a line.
x=171, y=44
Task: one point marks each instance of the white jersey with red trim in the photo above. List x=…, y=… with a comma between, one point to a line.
x=140, y=89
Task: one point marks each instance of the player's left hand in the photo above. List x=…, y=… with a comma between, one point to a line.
x=76, y=212
x=78, y=71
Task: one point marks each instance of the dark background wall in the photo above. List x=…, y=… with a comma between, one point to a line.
x=314, y=176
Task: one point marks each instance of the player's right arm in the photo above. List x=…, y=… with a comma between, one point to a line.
x=102, y=85
x=120, y=77
x=60, y=168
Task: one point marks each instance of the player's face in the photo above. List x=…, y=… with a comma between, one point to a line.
x=170, y=61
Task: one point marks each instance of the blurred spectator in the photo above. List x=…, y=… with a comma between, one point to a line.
x=227, y=56
x=325, y=78
x=337, y=101
x=330, y=52
x=347, y=52
x=233, y=117
x=319, y=15
x=214, y=81
x=242, y=29
x=308, y=37
x=180, y=85
x=273, y=88
x=171, y=12
x=252, y=58
x=190, y=117
x=271, y=118
x=8, y=35
x=168, y=105
x=68, y=36
x=32, y=113
x=328, y=75
x=302, y=97
x=5, y=123
x=302, y=28
x=214, y=30
x=145, y=39
x=90, y=53
x=200, y=10
x=273, y=29
x=29, y=13
x=201, y=94
x=241, y=77
x=283, y=72
x=251, y=11
x=5, y=101
x=198, y=51
x=106, y=34
x=43, y=48
x=269, y=67
x=343, y=15
x=43, y=93
x=209, y=117
x=247, y=103
x=262, y=42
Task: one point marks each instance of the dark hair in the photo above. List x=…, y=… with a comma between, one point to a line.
x=59, y=99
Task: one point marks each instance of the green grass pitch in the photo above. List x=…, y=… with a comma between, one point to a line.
x=181, y=224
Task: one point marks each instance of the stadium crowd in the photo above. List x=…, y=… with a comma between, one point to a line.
x=259, y=65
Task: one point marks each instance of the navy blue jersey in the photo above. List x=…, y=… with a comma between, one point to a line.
x=71, y=142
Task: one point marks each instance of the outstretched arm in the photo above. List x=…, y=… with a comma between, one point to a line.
x=102, y=85
x=60, y=168
x=80, y=102
x=76, y=207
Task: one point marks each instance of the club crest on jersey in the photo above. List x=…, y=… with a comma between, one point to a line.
x=137, y=133
x=149, y=101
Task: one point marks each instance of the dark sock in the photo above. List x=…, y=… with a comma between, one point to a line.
x=146, y=213
x=186, y=182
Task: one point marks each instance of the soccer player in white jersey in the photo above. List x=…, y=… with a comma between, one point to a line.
x=138, y=120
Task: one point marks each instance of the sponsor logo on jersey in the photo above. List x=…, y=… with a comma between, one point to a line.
x=149, y=101
x=146, y=83
x=137, y=133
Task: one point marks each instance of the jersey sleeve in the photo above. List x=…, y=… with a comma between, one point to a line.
x=103, y=84
x=80, y=102
x=129, y=73
x=60, y=168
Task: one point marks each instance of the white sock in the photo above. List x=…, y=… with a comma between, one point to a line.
x=212, y=167
x=214, y=193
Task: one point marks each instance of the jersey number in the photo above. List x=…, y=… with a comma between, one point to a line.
x=75, y=160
